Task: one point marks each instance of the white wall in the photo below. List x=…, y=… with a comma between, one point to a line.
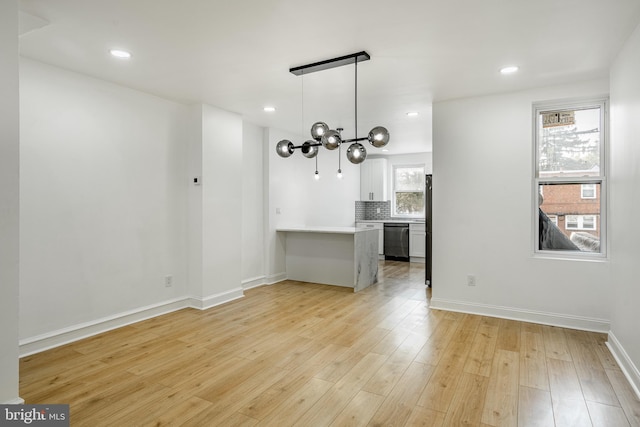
x=221, y=203
x=303, y=200
x=194, y=253
x=425, y=158
x=215, y=206
x=625, y=206
x=103, y=199
x=253, y=262
x=9, y=201
x=482, y=217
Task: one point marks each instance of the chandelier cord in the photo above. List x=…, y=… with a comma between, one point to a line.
x=302, y=102
x=356, y=98
x=340, y=153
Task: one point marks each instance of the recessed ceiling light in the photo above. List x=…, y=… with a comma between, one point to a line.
x=412, y=113
x=385, y=149
x=269, y=109
x=119, y=53
x=509, y=70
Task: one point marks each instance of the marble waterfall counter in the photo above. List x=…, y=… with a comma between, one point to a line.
x=340, y=256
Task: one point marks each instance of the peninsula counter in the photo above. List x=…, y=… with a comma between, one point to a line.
x=340, y=256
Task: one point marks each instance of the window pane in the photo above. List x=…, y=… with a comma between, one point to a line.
x=588, y=191
x=577, y=226
x=569, y=143
x=409, y=179
x=409, y=203
x=589, y=222
x=571, y=222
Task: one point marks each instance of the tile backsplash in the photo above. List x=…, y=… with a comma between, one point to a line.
x=369, y=210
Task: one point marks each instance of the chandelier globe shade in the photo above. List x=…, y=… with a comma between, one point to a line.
x=285, y=148
x=356, y=153
x=309, y=149
x=331, y=140
x=318, y=129
x=378, y=136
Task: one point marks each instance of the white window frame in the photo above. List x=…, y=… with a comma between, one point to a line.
x=393, y=189
x=572, y=105
x=589, y=187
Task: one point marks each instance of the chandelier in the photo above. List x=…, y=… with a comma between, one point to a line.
x=328, y=138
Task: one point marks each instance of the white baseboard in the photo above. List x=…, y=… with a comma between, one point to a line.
x=254, y=282
x=214, y=300
x=544, y=318
x=275, y=278
x=16, y=401
x=73, y=333
x=629, y=369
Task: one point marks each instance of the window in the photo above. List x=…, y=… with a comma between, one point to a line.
x=588, y=222
x=572, y=222
x=580, y=222
x=408, y=190
x=588, y=191
x=570, y=177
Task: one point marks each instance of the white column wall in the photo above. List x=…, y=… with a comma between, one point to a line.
x=253, y=259
x=215, y=206
x=221, y=202
x=9, y=202
x=103, y=200
x=483, y=216
x=195, y=194
x=625, y=207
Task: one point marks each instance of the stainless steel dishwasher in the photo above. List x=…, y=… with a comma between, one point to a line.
x=396, y=241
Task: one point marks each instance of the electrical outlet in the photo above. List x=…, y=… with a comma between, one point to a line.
x=168, y=281
x=471, y=280
x=377, y=210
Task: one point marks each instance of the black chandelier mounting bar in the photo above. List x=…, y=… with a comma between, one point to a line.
x=321, y=133
x=330, y=63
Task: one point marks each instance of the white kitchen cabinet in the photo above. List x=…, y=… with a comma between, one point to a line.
x=377, y=226
x=417, y=240
x=373, y=180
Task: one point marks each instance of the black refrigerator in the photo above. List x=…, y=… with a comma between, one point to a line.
x=428, y=228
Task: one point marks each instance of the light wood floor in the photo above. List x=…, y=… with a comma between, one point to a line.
x=313, y=355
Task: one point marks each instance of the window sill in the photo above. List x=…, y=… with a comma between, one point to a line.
x=565, y=256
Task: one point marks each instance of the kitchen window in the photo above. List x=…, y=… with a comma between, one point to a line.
x=570, y=141
x=408, y=190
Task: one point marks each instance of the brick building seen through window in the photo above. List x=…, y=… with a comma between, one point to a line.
x=573, y=207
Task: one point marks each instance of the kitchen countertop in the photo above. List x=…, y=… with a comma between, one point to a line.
x=320, y=229
x=395, y=220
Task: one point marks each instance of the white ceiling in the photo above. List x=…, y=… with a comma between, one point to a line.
x=236, y=54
